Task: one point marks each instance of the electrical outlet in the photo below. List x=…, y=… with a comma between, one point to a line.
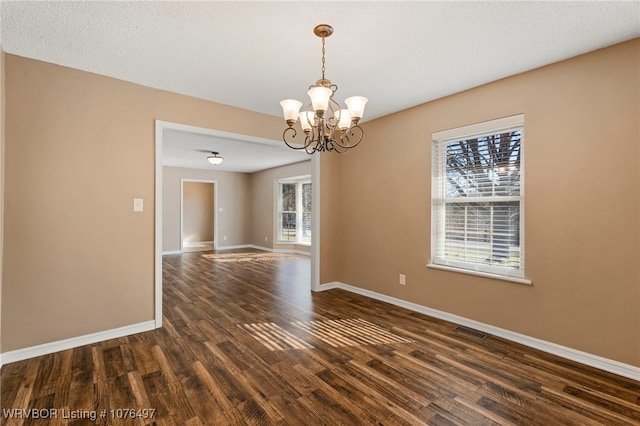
x=403, y=279
x=266, y=238
x=138, y=204
x=224, y=238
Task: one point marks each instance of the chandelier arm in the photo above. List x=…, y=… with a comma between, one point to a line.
x=310, y=142
x=320, y=130
x=340, y=150
x=310, y=147
x=332, y=121
x=335, y=146
x=316, y=140
x=327, y=144
x=288, y=131
x=355, y=133
x=314, y=147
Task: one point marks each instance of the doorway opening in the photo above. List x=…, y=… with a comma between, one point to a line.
x=164, y=126
x=198, y=215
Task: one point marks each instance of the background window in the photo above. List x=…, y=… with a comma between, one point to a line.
x=294, y=213
x=477, y=198
x=288, y=212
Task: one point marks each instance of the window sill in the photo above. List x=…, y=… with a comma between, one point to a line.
x=481, y=274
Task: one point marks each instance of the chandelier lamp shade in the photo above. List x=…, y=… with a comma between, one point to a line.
x=326, y=125
x=214, y=159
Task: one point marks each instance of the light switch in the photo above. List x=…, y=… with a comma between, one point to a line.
x=138, y=204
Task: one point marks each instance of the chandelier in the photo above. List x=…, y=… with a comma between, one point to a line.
x=327, y=126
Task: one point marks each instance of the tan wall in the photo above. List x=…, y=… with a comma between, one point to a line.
x=263, y=204
x=582, y=207
x=197, y=211
x=332, y=217
x=79, y=148
x=234, y=197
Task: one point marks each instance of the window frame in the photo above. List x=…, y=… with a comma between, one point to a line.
x=299, y=182
x=439, y=200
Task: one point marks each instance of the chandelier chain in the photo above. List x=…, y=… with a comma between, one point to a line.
x=323, y=58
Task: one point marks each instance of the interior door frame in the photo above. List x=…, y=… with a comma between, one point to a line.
x=215, y=209
x=160, y=126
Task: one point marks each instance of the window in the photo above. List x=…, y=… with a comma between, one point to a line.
x=477, y=198
x=294, y=210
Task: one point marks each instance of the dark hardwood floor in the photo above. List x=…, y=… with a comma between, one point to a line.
x=245, y=342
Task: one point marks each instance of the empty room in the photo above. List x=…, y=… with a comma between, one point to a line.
x=320, y=213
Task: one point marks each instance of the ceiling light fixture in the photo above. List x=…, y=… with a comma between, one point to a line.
x=214, y=159
x=339, y=130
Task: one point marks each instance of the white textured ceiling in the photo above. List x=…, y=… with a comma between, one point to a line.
x=253, y=54
x=187, y=146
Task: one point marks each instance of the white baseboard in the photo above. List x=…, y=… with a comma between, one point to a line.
x=74, y=342
x=197, y=243
x=335, y=284
x=165, y=253
x=269, y=249
x=240, y=246
x=596, y=361
x=257, y=247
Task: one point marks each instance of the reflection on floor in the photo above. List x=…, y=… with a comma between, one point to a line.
x=251, y=257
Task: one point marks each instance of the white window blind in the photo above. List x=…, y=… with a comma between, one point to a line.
x=477, y=198
x=306, y=213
